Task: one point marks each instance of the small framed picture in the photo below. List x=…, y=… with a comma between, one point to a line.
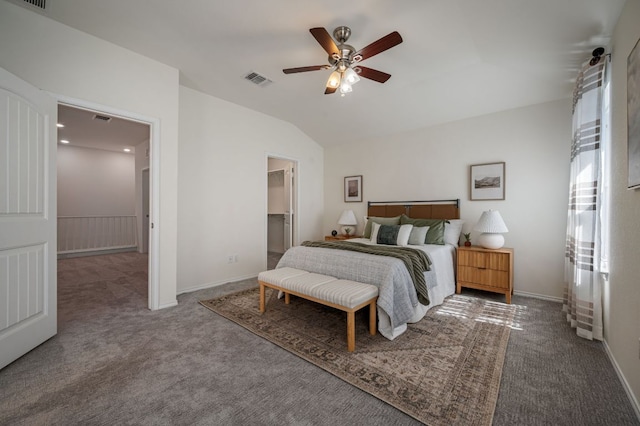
x=353, y=189
x=486, y=181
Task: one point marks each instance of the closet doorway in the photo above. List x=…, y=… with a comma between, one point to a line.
x=281, y=202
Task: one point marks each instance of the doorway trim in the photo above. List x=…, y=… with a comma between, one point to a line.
x=143, y=245
x=154, y=182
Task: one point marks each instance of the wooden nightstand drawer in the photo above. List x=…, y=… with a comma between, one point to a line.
x=484, y=269
x=483, y=276
x=481, y=259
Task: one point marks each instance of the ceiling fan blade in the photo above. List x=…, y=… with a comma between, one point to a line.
x=305, y=69
x=330, y=90
x=378, y=46
x=325, y=40
x=372, y=74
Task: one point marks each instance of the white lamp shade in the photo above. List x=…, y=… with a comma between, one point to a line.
x=348, y=218
x=491, y=222
x=492, y=227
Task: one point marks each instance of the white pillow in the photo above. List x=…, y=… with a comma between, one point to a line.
x=403, y=233
x=418, y=235
x=374, y=232
x=452, y=230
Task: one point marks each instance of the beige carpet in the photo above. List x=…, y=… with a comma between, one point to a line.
x=444, y=370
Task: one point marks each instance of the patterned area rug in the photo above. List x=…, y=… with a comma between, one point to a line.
x=444, y=370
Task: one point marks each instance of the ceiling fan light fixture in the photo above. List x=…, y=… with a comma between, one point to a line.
x=351, y=76
x=345, y=86
x=334, y=80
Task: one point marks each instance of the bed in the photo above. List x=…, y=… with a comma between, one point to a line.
x=398, y=303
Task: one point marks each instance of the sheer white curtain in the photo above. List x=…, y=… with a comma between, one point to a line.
x=587, y=223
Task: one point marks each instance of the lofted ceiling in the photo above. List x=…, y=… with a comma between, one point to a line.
x=459, y=58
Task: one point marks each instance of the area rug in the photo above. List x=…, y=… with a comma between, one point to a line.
x=444, y=370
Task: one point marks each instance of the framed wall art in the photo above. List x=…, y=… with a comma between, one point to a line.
x=487, y=181
x=353, y=189
x=633, y=117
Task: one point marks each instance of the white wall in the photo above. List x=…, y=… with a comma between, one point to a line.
x=433, y=163
x=67, y=62
x=622, y=295
x=223, y=188
x=94, y=182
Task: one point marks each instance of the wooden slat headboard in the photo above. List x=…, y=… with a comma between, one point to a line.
x=429, y=209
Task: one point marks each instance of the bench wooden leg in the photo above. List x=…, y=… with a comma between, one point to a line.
x=351, y=331
x=372, y=318
x=262, y=304
x=287, y=298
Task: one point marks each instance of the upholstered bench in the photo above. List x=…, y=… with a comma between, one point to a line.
x=348, y=296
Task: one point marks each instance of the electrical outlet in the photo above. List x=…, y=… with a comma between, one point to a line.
x=230, y=259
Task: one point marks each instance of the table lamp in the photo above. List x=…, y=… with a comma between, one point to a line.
x=348, y=222
x=491, y=227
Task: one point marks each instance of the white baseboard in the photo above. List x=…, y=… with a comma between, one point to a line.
x=168, y=305
x=218, y=283
x=95, y=252
x=538, y=296
x=623, y=380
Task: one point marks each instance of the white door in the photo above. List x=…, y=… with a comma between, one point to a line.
x=27, y=217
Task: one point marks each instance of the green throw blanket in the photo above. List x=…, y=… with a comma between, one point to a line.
x=416, y=261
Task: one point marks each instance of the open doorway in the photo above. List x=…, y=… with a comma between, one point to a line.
x=281, y=208
x=105, y=183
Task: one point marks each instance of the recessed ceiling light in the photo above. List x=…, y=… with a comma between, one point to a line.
x=127, y=150
x=64, y=141
x=60, y=125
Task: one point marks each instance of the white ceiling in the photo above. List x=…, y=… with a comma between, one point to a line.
x=81, y=128
x=459, y=58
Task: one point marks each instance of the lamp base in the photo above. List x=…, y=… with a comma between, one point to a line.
x=491, y=241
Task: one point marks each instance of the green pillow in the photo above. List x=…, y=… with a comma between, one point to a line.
x=381, y=221
x=435, y=235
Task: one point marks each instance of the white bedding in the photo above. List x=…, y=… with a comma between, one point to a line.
x=397, y=302
x=443, y=262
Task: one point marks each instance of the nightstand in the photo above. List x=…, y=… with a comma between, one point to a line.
x=339, y=237
x=485, y=269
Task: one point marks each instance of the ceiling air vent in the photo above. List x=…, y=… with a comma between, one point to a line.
x=42, y=4
x=35, y=5
x=257, y=79
x=102, y=118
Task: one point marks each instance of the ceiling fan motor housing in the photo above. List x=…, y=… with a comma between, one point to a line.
x=343, y=57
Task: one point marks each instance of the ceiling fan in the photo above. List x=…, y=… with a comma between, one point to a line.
x=345, y=61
